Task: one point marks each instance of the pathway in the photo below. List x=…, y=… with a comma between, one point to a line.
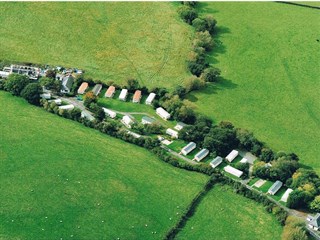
x=178, y=155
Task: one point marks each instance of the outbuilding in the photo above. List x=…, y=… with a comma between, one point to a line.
x=201, y=155
x=123, y=94
x=275, y=187
x=150, y=98
x=216, y=162
x=110, y=92
x=232, y=155
x=83, y=87
x=163, y=113
x=109, y=113
x=96, y=89
x=136, y=97
x=127, y=121
x=187, y=149
x=172, y=133
x=233, y=171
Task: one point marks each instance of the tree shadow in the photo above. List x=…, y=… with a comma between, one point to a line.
x=305, y=166
x=205, y=8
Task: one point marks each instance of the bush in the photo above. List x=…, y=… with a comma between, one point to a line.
x=210, y=74
x=32, y=93
x=203, y=39
x=187, y=13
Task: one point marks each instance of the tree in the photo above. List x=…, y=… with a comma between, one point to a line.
x=266, y=155
x=132, y=84
x=187, y=14
x=203, y=39
x=50, y=83
x=298, y=199
x=51, y=74
x=210, y=24
x=180, y=91
x=283, y=169
x=89, y=98
x=196, y=68
x=75, y=114
x=294, y=229
x=15, y=83
x=190, y=3
x=98, y=112
x=193, y=83
x=32, y=93
x=210, y=74
x=315, y=204
x=199, y=24
x=186, y=114
x=261, y=170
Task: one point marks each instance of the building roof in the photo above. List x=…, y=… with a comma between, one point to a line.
x=180, y=125
x=163, y=112
x=67, y=107
x=123, y=93
x=216, y=161
x=315, y=220
x=137, y=95
x=67, y=82
x=83, y=87
x=275, y=187
x=109, y=112
x=189, y=147
x=110, y=91
x=203, y=153
x=148, y=119
x=172, y=132
x=150, y=98
x=233, y=171
x=232, y=155
x=127, y=119
x=285, y=196
x=136, y=135
x=96, y=89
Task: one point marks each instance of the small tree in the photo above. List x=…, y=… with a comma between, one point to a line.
x=32, y=93
x=199, y=24
x=51, y=74
x=203, y=39
x=89, y=98
x=315, y=204
x=210, y=24
x=132, y=84
x=193, y=83
x=210, y=74
x=50, y=83
x=187, y=14
x=16, y=83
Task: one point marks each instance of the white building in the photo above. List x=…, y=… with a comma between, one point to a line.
x=57, y=101
x=187, y=149
x=127, y=121
x=172, y=133
x=201, y=155
x=123, y=95
x=232, y=155
x=314, y=222
x=285, y=196
x=67, y=107
x=163, y=113
x=109, y=113
x=135, y=135
x=85, y=114
x=150, y=98
x=179, y=126
x=216, y=162
x=233, y=171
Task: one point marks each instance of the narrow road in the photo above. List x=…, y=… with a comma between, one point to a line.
x=78, y=104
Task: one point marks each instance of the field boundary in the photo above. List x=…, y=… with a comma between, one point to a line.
x=299, y=4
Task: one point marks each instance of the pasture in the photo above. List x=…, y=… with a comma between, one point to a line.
x=111, y=41
x=62, y=180
x=269, y=56
x=223, y=214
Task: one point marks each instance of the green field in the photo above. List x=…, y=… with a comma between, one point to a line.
x=55, y=168
x=111, y=41
x=269, y=57
x=224, y=215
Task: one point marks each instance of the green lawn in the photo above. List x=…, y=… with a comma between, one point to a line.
x=269, y=57
x=225, y=215
x=112, y=41
x=53, y=170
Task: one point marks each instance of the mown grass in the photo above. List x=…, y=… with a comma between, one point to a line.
x=111, y=41
x=225, y=215
x=269, y=57
x=53, y=170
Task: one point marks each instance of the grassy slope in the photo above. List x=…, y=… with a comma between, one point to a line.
x=240, y=218
x=270, y=62
x=112, y=41
x=40, y=151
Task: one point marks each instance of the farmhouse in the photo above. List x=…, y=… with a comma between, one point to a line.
x=180, y=125
x=187, y=149
x=136, y=97
x=83, y=87
x=147, y=120
x=67, y=82
x=233, y=171
x=172, y=133
x=314, y=222
x=285, y=196
x=109, y=113
x=110, y=92
x=96, y=89
x=150, y=98
x=67, y=107
x=232, y=155
x=201, y=155
x=275, y=187
x=127, y=121
x=216, y=162
x=123, y=94
x=163, y=113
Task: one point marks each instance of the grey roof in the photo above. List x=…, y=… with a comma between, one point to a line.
x=275, y=187
x=202, y=153
x=189, y=146
x=96, y=89
x=315, y=220
x=148, y=119
x=67, y=82
x=216, y=161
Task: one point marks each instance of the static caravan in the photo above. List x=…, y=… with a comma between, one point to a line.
x=96, y=89
x=83, y=87
x=109, y=113
x=127, y=121
x=67, y=107
x=187, y=149
x=150, y=98
x=275, y=187
x=201, y=155
x=233, y=171
x=136, y=97
x=123, y=95
x=147, y=120
x=163, y=113
x=172, y=133
x=232, y=155
x=110, y=92
x=216, y=162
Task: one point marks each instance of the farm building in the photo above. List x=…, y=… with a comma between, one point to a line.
x=147, y=120
x=109, y=113
x=32, y=72
x=232, y=155
x=172, y=133
x=45, y=95
x=187, y=149
x=180, y=125
x=216, y=162
x=285, y=196
x=96, y=89
x=150, y=98
x=135, y=135
x=314, y=222
x=275, y=187
x=83, y=87
x=57, y=101
x=67, y=107
x=123, y=95
x=127, y=121
x=201, y=155
x=163, y=113
x=66, y=85
x=110, y=92
x=233, y=171
x=136, y=97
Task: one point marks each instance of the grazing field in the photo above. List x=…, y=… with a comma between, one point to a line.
x=269, y=56
x=112, y=41
x=225, y=215
x=60, y=179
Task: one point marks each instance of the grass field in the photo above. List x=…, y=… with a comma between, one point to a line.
x=112, y=41
x=269, y=56
x=53, y=170
x=224, y=215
